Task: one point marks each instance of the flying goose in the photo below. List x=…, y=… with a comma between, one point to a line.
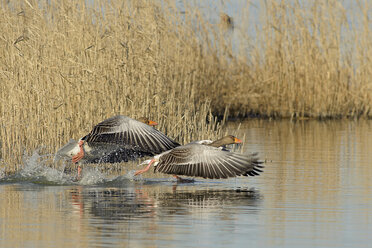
x=119, y=138
x=205, y=159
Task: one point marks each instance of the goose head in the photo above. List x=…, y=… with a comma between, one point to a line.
x=227, y=140
x=147, y=121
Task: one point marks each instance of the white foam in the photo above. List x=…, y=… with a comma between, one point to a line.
x=41, y=169
x=2, y=173
x=91, y=177
x=35, y=168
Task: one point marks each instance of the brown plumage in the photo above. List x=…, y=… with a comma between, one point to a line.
x=206, y=160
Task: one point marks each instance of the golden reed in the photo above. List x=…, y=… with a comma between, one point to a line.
x=67, y=65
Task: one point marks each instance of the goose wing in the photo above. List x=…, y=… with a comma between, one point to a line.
x=209, y=162
x=131, y=133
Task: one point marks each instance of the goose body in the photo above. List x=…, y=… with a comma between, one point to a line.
x=206, y=160
x=119, y=138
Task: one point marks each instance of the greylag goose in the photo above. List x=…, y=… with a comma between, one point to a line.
x=205, y=159
x=119, y=138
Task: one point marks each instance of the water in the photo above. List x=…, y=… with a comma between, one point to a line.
x=315, y=192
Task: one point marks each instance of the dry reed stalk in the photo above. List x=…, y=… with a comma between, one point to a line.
x=304, y=59
x=65, y=66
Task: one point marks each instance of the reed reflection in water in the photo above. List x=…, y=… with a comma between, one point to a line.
x=135, y=215
x=318, y=186
x=315, y=192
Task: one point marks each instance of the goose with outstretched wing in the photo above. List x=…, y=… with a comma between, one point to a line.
x=207, y=160
x=119, y=138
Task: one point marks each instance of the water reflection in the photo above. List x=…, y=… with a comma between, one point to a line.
x=204, y=201
x=112, y=203
x=142, y=214
x=317, y=181
x=315, y=192
x=117, y=204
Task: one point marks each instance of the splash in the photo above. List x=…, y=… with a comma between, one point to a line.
x=39, y=169
x=2, y=173
x=92, y=177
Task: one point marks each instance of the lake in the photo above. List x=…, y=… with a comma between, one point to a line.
x=316, y=191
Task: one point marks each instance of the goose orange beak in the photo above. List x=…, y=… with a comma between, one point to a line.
x=237, y=141
x=152, y=123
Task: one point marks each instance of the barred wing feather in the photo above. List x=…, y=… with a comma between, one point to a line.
x=209, y=162
x=131, y=133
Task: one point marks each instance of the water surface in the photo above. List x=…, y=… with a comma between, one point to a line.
x=315, y=192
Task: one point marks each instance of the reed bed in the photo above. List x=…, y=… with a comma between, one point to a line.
x=67, y=65
x=296, y=59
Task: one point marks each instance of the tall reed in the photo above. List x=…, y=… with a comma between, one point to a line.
x=296, y=59
x=67, y=65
